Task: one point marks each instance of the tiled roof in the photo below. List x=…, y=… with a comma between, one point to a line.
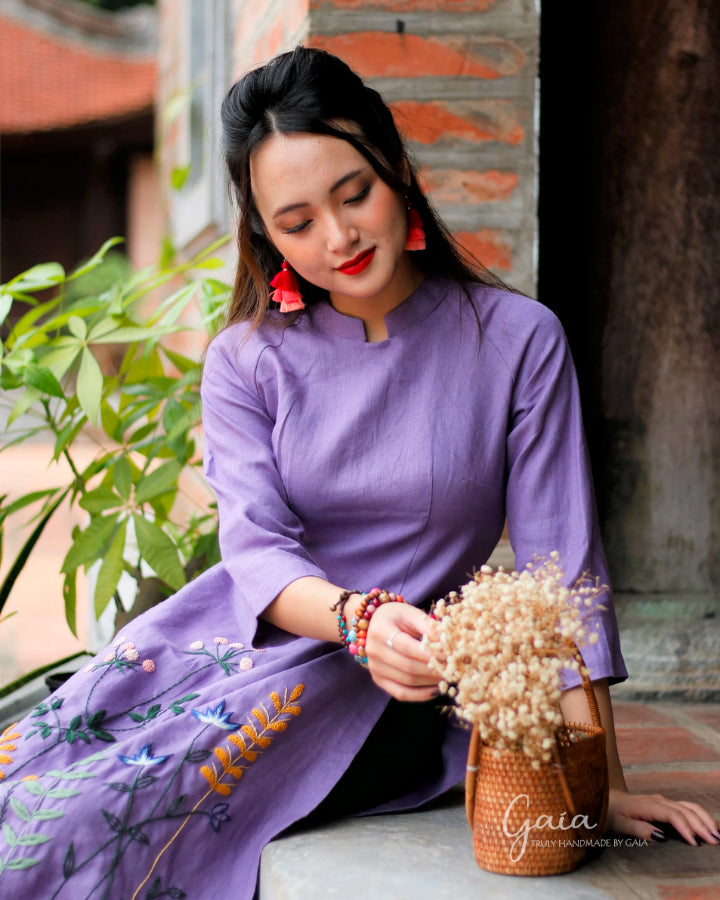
x=47, y=82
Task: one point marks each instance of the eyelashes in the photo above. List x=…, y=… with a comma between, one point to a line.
x=357, y=198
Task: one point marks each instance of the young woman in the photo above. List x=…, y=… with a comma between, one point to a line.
x=373, y=422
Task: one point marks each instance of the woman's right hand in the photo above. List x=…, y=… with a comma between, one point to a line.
x=397, y=659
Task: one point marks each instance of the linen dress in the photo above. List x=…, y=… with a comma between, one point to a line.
x=164, y=768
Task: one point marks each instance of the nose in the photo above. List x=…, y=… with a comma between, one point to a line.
x=340, y=234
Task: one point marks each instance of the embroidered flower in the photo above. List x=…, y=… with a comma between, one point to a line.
x=109, y=658
x=197, y=645
x=120, y=639
x=132, y=654
x=143, y=757
x=246, y=663
x=89, y=668
x=7, y=745
x=218, y=814
x=221, y=640
x=148, y=665
x=238, y=645
x=216, y=717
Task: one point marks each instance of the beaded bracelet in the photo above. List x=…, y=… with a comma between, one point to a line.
x=354, y=637
x=339, y=607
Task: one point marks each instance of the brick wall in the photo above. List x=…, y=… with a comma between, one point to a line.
x=460, y=76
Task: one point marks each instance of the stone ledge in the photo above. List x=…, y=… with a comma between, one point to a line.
x=425, y=855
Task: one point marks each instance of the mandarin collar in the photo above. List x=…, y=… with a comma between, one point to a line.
x=421, y=302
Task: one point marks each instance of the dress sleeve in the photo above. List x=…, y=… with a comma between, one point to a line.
x=261, y=539
x=550, y=499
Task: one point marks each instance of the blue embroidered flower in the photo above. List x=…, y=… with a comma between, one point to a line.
x=143, y=758
x=219, y=814
x=216, y=717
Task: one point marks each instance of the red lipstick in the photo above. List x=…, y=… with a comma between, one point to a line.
x=358, y=263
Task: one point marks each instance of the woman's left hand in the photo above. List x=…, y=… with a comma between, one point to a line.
x=642, y=815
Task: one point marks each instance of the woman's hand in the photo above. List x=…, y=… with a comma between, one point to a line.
x=397, y=660
x=642, y=815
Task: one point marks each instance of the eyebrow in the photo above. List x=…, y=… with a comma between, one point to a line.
x=338, y=184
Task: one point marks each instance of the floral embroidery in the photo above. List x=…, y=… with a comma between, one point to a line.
x=216, y=717
x=221, y=640
x=224, y=654
x=143, y=757
x=7, y=746
x=246, y=663
x=148, y=665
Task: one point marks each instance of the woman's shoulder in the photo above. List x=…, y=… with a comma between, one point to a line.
x=242, y=344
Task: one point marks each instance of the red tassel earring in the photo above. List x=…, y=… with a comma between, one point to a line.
x=287, y=291
x=416, y=232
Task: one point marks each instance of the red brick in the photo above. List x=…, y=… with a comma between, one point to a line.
x=488, y=247
x=458, y=187
x=384, y=53
x=638, y=714
x=653, y=745
x=697, y=787
x=457, y=6
x=489, y=120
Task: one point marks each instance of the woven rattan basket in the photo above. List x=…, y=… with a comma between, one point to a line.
x=528, y=821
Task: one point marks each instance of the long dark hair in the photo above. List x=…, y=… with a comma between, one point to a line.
x=311, y=91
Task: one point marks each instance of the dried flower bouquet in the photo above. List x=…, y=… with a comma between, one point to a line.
x=501, y=644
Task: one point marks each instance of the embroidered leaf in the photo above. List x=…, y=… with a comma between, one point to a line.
x=293, y=710
x=120, y=787
x=281, y=725
x=178, y=710
x=136, y=717
x=23, y=863
x=250, y=732
x=187, y=697
x=39, y=710
x=196, y=756
x=223, y=756
x=153, y=711
x=176, y=805
x=62, y=793
x=10, y=836
x=101, y=735
x=75, y=723
x=277, y=702
x=32, y=840
x=74, y=776
x=155, y=890
x=20, y=809
x=45, y=731
x=34, y=787
x=96, y=718
x=43, y=814
x=223, y=789
x=137, y=835
x=145, y=781
x=176, y=893
x=57, y=703
x=297, y=691
x=238, y=740
x=250, y=755
x=235, y=771
x=261, y=717
x=69, y=862
x=115, y=824
x=264, y=741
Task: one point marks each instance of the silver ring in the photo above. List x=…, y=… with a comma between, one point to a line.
x=390, y=640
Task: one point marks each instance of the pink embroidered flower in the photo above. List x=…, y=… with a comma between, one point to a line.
x=131, y=654
x=129, y=646
x=238, y=645
x=148, y=665
x=246, y=663
x=221, y=640
x=91, y=667
x=119, y=640
x=109, y=658
x=197, y=645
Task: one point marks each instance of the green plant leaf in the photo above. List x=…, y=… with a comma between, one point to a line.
x=23, y=403
x=42, y=378
x=66, y=436
x=63, y=354
x=132, y=333
x=110, y=570
x=23, y=501
x=19, y=563
x=89, y=386
x=179, y=176
x=70, y=598
x=78, y=327
x=122, y=477
x=159, y=481
x=158, y=550
x=100, y=500
x=6, y=302
x=38, y=277
x=96, y=259
x=90, y=544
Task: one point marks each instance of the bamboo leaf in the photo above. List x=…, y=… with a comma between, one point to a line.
x=159, y=552
x=89, y=385
x=110, y=570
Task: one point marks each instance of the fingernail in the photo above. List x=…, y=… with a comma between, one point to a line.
x=658, y=836
x=716, y=834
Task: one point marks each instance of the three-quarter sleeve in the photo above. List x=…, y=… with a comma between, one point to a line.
x=550, y=498
x=261, y=539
